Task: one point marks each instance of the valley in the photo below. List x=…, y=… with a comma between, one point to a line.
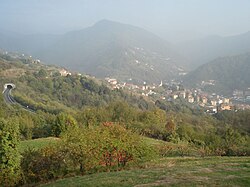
x=114, y=104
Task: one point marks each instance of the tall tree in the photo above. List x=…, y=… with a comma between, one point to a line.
x=63, y=123
x=9, y=155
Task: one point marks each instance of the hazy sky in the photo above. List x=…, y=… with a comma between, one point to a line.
x=167, y=18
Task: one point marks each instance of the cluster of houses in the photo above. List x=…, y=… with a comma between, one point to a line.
x=144, y=89
x=211, y=103
x=64, y=72
x=241, y=94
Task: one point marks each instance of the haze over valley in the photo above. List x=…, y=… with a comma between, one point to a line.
x=126, y=52
x=125, y=93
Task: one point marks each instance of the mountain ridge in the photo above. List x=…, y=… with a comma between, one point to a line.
x=229, y=73
x=108, y=48
x=209, y=48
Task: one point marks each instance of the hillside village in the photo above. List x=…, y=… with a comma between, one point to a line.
x=168, y=91
x=124, y=93
x=174, y=90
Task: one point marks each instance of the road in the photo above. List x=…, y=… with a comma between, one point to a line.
x=7, y=96
x=10, y=100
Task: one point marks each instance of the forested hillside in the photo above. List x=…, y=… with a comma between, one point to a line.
x=95, y=129
x=105, y=49
x=42, y=87
x=202, y=51
x=93, y=94
x=229, y=73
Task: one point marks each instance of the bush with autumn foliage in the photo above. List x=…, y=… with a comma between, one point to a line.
x=107, y=147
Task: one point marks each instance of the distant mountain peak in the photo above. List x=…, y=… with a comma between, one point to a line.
x=110, y=48
x=106, y=22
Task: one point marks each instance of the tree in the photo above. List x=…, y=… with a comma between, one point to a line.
x=233, y=141
x=156, y=116
x=9, y=155
x=41, y=73
x=63, y=123
x=170, y=127
x=26, y=126
x=122, y=112
x=108, y=146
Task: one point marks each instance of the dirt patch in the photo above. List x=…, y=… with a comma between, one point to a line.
x=159, y=166
x=175, y=180
x=232, y=169
x=206, y=170
x=165, y=181
x=15, y=72
x=143, y=176
x=199, y=178
x=231, y=177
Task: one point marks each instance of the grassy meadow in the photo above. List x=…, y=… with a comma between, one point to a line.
x=36, y=143
x=174, y=171
x=167, y=171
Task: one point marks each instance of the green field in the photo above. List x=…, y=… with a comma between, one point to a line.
x=181, y=171
x=43, y=142
x=168, y=171
x=37, y=143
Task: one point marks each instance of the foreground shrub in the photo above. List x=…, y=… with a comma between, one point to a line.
x=10, y=173
x=229, y=142
x=44, y=164
x=82, y=151
x=106, y=147
x=177, y=150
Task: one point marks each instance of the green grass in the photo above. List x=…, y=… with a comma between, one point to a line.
x=155, y=142
x=172, y=171
x=181, y=171
x=37, y=143
x=43, y=142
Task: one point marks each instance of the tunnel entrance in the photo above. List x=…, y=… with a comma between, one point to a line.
x=9, y=86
